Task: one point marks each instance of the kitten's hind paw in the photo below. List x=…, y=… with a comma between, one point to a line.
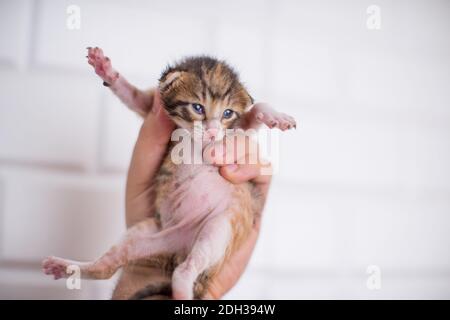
x=102, y=65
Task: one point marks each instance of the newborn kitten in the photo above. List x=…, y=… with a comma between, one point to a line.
x=201, y=218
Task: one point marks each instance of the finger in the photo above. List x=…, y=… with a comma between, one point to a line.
x=157, y=126
x=150, y=148
x=230, y=274
x=234, y=148
x=240, y=173
x=222, y=152
x=259, y=117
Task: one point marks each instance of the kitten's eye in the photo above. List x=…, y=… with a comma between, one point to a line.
x=198, y=108
x=228, y=113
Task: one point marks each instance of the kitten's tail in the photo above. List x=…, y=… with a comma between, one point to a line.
x=162, y=289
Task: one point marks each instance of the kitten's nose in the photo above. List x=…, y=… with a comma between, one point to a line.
x=211, y=134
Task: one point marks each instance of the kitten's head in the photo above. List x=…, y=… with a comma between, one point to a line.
x=204, y=91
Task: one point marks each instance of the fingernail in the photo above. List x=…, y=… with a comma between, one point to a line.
x=232, y=167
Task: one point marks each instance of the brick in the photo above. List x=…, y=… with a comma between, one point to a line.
x=307, y=226
x=48, y=119
x=302, y=68
x=307, y=45
x=322, y=286
x=347, y=145
x=131, y=35
x=16, y=283
x=299, y=229
x=385, y=79
x=119, y=134
x=313, y=285
x=401, y=233
x=57, y=214
x=252, y=285
x=243, y=46
x=15, y=27
x=419, y=28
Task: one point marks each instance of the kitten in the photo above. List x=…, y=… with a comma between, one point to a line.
x=201, y=218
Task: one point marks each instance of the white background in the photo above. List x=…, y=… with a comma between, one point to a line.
x=364, y=180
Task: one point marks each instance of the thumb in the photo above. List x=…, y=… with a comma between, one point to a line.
x=157, y=126
x=239, y=173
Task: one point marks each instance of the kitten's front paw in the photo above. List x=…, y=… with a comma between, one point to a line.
x=56, y=267
x=102, y=65
x=272, y=118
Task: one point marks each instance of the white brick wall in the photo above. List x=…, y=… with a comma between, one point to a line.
x=44, y=119
x=14, y=32
x=364, y=180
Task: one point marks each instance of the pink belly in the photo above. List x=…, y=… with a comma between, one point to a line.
x=199, y=192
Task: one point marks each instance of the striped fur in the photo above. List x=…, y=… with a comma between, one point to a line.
x=208, y=82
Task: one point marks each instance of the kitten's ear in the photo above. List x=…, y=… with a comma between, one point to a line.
x=168, y=79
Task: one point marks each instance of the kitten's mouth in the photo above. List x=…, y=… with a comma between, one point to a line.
x=213, y=134
x=206, y=142
x=211, y=140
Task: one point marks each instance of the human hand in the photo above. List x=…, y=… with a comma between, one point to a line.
x=148, y=153
x=243, y=168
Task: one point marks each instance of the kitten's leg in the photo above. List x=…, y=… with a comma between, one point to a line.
x=135, y=99
x=209, y=248
x=263, y=113
x=141, y=240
